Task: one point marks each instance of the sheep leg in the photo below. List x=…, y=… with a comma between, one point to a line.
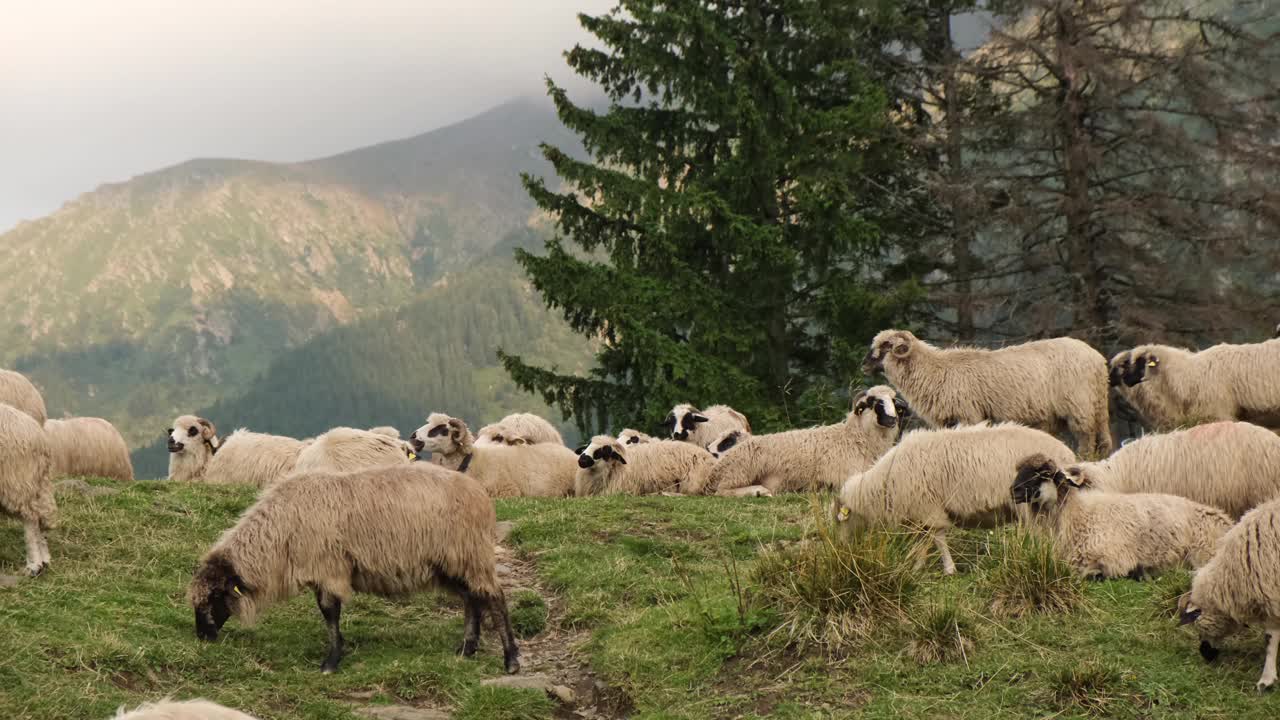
x=497, y=604
x=748, y=491
x=940, y=539
x=35, y=556
x=1269, y=667
x=331, y=609
x=473, y=610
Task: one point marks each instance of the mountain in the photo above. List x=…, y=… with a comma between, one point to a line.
x=177, y=288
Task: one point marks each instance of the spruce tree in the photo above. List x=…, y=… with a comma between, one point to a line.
x=717, y=243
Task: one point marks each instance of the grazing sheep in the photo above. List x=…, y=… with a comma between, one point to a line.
x=17, y=391
x=345, y=449
x=538, y=470
x=689, y=424
x=88, y=447
x=25, y=490
x=387, y=531
x=607, y=467
x=1233, y=466
x=192, y=443
x=725, y=441
x=253, y=459
x=939, y=479
x=1240, y=586
x=817, y=457
x=1108, y=535
x=184, y=710
x=1053, y=385
x=527, y=426
x=1172, y=387
x=385, y=430
x=634, y=437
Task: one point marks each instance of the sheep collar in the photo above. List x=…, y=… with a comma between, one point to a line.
x=466, y=463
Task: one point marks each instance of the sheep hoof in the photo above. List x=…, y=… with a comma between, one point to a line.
x=328, y=669
x=1208, y=651
x=1265, y=685
x=34, y=569
x=512, y=666
x=467, y=649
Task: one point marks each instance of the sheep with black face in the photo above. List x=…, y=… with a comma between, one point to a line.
x=689, y=424
x=606, y=467
x=529, y=470
x=814, y=458
x=1172, y=387
x=1052, y=385
x=387, y=531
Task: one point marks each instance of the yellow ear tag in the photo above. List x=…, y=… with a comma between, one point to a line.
x=1151, y=364
x=236, y=589
x=843, y=514
x=411, y=455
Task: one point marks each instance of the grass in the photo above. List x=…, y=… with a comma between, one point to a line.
x=674, y=605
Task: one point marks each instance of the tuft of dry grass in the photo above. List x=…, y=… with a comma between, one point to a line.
x=1029, y=577
x=942, y=632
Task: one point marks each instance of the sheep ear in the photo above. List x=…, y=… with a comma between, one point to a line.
x=457, y=428
x=207, y=429
x=698, y=418
x=901, y=346
x=902, y=408
x=1186, y=617
x=580, y=449
x=617, y=454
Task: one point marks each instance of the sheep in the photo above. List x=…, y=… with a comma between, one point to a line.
x=345, y=449
x=17, y=391
x=1233, y=466
x=389, y=531
x=539, y=470
x=527, y=426
x=942, y=478
x=192, y=443
x=1107, y=535
x=689, y=424
x=607, y=467
x=1172, y=387
x=817, y=457
x=1046, y=384
x=385, y=430
x=634, y=437
x=1240, y=586
x=184, y=710
x=724, y=442
x=88, y=447
x=26, y=493
x=253, y=458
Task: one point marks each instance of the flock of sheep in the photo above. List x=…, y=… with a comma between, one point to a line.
x=364, y=511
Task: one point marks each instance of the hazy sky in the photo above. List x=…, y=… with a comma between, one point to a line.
x=95, y=91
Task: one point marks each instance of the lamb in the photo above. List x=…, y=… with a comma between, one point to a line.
x=1108, y=535
x=17, y=391
x=1172, y=387
x=634, y=437
x=184, y=710
x=1051, y=385
x=88, y=447
x=1233, y=466
x=538, y=470
x=607, y=467
x=818, y=457
x=26, y=492
x=345, y=449
x=388, y=531
x=531, y=428
x=724, y=442
x=689, y=424
x=939, y=479
x=192, y=443
x=1240, y=586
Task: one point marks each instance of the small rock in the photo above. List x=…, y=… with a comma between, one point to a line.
x=502, y=569
x=400, y=712
x=503, y=530
x=8, y=581
x=536, y=681
x=362, y=694
x=76, y=485
x=563, y=694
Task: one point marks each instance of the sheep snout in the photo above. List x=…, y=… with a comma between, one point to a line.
x=585, y=461
x=175, y=447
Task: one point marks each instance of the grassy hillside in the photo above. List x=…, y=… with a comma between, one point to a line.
x=658, y=608
x=176, y=288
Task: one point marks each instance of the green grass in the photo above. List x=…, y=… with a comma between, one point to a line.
x=673, y=604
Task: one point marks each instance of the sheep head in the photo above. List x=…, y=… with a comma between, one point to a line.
x=1040, y=482
x=601, y=452
x=682, y=420
x=442, y=434
x=890, y=410
x=633, y=437
x=1212, y=627
x=725, y=442
x=217, y=592
x=888, y=346
x=189, y=432
x=1143, y=366
x=1119, y=367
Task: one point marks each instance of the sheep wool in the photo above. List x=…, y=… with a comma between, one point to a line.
x=539, y=470
x=17, y=391
x=26, y=492
x=184, y=710
x=1233, y=466
x=700, y=427
x=385, y=430
x=387, y=531
x=88, y=447
x=192, y=443
x=1171, y=387
x=528, y=427
x=634, y=437
x=1240, y=586
x=1108, y=535
x=938, y=479
x=1052, y=385
x=345, y=449
x=253, y=459
x=814, y=458
x=607, y=467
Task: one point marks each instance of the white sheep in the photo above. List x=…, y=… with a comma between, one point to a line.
x=815, y=458
x=1233, y=466
x=1240, y=586
x=528, y=427
x=17, y=391
x=1171, y=387
x=26, y=492
x=88, y=447
x=345, y=449
x=192, y=442
x=689, y=424
x=938, y=479
x=537, y=470
x=607, y=467
x=181, y=710
x=631, y=436
x=1107, y=535
x=388, y=531
x=1053, y=385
